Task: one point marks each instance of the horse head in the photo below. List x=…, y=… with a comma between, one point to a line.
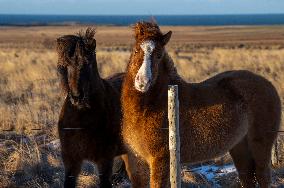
x=77, y=66
x=147, y=54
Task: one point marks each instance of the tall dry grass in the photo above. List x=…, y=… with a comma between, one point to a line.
x=30, y=101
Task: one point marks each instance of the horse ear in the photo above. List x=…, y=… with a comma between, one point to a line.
x=167, y=37
x=60, y=45
x=90, y=40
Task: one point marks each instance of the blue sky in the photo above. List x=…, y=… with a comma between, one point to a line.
x=144, y=7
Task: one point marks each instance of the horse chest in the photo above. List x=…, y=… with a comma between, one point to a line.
x=144, y=133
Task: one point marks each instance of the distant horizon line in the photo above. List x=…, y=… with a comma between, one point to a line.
x=239, y=14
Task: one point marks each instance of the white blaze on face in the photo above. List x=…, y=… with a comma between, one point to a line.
x=144, y=75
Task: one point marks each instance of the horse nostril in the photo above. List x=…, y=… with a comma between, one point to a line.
x=141, y=85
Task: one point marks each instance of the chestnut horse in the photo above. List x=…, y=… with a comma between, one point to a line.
x=235, y=111
x=90, y=120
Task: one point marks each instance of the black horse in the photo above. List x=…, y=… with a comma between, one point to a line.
x=90, y=120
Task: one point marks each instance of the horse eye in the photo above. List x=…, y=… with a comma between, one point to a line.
x=136, y=51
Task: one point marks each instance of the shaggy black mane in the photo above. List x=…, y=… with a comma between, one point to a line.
x=66, y=44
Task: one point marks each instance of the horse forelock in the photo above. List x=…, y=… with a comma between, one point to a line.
x=65, y=48
x=147, y=31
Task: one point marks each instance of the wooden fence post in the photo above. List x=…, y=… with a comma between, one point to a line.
x=174, y=139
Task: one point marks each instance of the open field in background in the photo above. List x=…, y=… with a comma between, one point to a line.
x=184, y=38
x=30, y=97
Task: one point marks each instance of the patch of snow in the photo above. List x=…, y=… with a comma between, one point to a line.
x=123, y=184
x=55, y=144
x=213, y=171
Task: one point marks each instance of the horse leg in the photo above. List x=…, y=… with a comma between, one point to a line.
x=159, y=172
x=244, y=163
x=261, y=150
x=118, y=170
x=72, y=170
x=137, y=171
x=105, y=172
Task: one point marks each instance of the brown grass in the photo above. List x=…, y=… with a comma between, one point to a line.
x=30, y=98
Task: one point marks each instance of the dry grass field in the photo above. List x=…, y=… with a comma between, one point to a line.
x=30, y=98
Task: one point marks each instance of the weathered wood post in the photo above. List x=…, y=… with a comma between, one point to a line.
x=174, y=139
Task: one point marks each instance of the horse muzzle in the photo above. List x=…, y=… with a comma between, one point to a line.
x=80, y=103
x=142, y=84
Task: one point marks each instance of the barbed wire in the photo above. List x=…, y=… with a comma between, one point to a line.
x=29, y=81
